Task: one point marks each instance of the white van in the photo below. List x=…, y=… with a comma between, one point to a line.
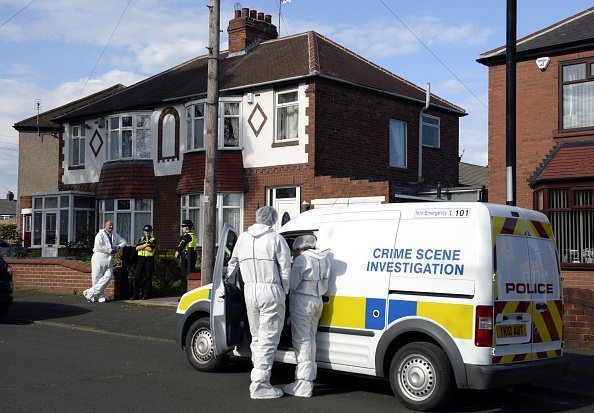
x=429, y=296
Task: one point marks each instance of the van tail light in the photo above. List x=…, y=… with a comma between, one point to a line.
x=483, y=329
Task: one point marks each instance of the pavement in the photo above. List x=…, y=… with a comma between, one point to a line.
x=577, y=384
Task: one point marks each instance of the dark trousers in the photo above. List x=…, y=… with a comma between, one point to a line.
x=187, y=265
x=143, y=277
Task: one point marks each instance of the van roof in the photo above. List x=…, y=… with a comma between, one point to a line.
x=310, y=220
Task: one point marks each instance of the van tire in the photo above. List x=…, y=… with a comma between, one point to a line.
x=421, y=376
x=199, y=347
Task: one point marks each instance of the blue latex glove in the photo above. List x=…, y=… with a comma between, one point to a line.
x=115, y=249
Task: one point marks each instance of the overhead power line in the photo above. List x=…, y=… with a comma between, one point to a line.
x=17, y=13
x=105, y=47
x=433, y=54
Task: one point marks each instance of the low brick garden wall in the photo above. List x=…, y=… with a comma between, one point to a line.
x=58, y=275
x=578, y=318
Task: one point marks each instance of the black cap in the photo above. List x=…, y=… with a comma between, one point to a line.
x=147, y=228
x=187, y=223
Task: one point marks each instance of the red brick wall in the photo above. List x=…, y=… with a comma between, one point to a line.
x=537, y=124
x=166, y=213
x=57, y=275
x=352, y=137
x=578, y=318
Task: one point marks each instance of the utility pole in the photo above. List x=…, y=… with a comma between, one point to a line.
x=510, y=103
x=212, y=133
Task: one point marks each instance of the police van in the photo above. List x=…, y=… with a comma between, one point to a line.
x=430, y=296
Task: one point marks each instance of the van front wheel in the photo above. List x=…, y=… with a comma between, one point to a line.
x=421, y=376
x=200, y=348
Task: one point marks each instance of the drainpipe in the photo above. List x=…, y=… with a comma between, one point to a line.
x=427, y=99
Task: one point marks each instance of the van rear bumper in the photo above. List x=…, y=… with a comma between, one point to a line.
x=497, y=375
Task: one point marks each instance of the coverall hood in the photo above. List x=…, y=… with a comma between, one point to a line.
x=319, y=254
x=257, y=230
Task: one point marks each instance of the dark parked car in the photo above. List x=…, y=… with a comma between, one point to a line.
x=5, y=287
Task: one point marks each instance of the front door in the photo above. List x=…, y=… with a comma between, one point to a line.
x=286, y=202
x=50, y=236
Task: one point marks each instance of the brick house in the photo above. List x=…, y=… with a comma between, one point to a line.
x=555, y=145
x=39, y=135
x=303, y=123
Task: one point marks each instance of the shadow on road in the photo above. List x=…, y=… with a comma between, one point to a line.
x=30, y=311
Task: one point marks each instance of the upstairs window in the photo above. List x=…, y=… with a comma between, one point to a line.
x=229, y=130
x=577, y=88
x=77, y=145
x=430, y=131
x=287, y=116
x=397, y=144
x=129, y=136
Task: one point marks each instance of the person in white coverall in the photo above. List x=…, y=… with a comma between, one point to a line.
x=107, y=243
x=264, y=259
x=309, y=281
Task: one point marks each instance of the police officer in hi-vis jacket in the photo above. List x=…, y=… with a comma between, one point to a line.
x=186, y=252
x=145, y=266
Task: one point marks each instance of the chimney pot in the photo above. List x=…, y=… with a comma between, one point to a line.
x=245, y=12
x=260, y=15
x=237, y=14
x=253, y=14
x=268, y=18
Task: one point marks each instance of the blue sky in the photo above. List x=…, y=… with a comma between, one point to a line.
x=49, y=50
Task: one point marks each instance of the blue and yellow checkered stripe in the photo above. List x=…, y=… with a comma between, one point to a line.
x=370, y=314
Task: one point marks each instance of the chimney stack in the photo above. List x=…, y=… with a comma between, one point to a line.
x=248, y=28
x=10, y=196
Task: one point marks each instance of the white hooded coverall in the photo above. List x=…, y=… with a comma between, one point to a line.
x=309, y=281
x=102, y=262
x=264, y=259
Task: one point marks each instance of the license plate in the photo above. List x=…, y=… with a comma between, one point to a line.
x=511, y=330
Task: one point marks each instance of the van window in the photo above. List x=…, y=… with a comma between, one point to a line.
x=544, y=268
x=526, y=269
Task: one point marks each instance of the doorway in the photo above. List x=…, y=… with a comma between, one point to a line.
x=286, y=201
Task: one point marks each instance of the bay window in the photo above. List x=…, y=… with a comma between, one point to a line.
x=577, y=88
x=229, y=125
x=129, y=216
x=129, y=136
x=571, y=213
x=229, y=210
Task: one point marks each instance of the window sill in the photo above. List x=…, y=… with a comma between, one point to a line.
x=281, y=144
x=573, y=133
x=73, y=168
x=582, y=266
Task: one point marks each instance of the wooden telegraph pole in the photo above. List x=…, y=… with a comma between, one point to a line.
x=510, y=103
x=212, y=133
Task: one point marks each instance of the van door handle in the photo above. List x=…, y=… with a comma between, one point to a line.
x=541, y=307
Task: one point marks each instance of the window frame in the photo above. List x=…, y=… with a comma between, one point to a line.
x=78, y=138
x=426, y=125
x=119, y=207
x=589, y=63
x=134, y=128
x=191, y=125
x=404, y=143
x=278, y=106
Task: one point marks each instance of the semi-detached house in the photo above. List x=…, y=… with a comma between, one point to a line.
x=303, y=123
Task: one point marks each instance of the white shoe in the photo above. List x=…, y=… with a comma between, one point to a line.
x=261, y=391
x=88, y=294
x=299, y=388
x=101, y=299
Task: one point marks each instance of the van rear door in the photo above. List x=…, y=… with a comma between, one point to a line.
x=226, y=302
x=527, y=292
